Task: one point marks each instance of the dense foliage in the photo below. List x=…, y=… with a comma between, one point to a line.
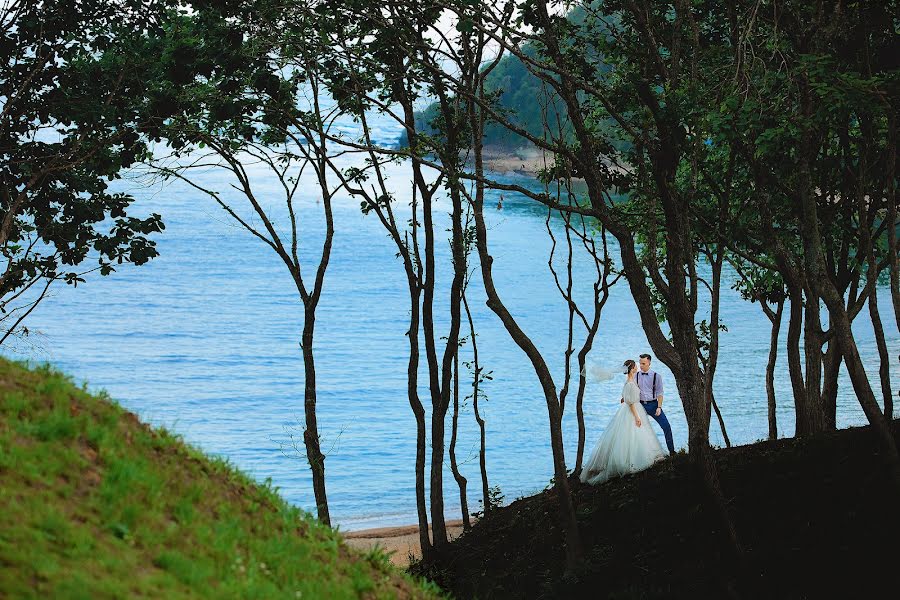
x=73, y=84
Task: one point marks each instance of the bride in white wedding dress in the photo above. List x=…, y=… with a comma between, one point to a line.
x=629, y=444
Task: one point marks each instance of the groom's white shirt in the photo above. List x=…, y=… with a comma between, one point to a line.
x=645, y=384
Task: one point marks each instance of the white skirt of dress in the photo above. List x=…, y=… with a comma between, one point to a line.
x=623, y=448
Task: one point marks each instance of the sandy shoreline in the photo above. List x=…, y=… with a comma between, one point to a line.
x=527, y=160
x=524, y=161
x=401, y=541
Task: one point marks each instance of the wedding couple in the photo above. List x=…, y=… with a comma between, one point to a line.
x=629, y=443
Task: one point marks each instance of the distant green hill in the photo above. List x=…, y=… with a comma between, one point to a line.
x=525, y=99
x=95, y=504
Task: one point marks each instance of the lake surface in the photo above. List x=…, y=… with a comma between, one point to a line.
x=204, y=340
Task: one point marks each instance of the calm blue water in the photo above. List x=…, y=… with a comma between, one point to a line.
x=204, y=340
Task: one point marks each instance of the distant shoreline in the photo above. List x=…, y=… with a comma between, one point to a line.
x=524, y=161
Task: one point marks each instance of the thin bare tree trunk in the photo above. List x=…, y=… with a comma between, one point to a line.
x=813, y=412
x=894, y=260
x=775, y=317
x=601, y=288
x=568, y=520
x=567, y=296
x=408, y=250
x=311, y=431
x=438, y=523
x=454, y=466
x=412, y=369
x=863, y=389
x=313, y=151
x=840, y=323
x=476, y=383
x=573, y=547
x=698, y=420
x=440, y=390
x=831, y=370
x=884, y=366
x=412, y=374
x=582, y=384
x=715, y=306
x=415, y=403
x=715, y=406
x=310, y=304
x=441, y=403
x=795, y=325
x=427, y=278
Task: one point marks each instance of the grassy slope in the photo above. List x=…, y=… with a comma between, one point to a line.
x=816, y=517
x=95, y=504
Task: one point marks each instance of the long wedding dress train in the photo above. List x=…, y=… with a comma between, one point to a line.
x=624, y=447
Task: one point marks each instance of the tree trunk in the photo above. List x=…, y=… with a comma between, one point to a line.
x=440, y=390
x=460, y=480
x=892, y=221
x=813, y=413
x=840, y=324
x=832, y=370
x=408, y=251
x=579, y=399
x=712, y=359
x=438, y=412
x=691, y=381
x=438, y=522
x=601, y=295
x=311, y=432
x=721, y=421
x=412, y=392
x=861, y=387
x=421, y=287
x=568, y=521
x=570, y=306
x=814, y=267
x=770, y=370
x=884, y=366
x=704, y=463
x=476, y=384
x=795, y=325
x=866, y=223
x=680, y=354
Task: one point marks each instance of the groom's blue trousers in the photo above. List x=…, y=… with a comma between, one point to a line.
x=651, y=407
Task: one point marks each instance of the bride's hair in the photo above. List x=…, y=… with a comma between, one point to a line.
x=629, y=365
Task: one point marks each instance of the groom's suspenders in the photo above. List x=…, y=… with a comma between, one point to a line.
x=653, y=390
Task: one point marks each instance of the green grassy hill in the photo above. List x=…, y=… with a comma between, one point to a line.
x=95, y=504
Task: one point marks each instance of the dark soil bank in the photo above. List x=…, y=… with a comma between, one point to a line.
x=816, y=518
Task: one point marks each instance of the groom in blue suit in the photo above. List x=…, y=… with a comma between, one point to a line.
x=651, y=385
